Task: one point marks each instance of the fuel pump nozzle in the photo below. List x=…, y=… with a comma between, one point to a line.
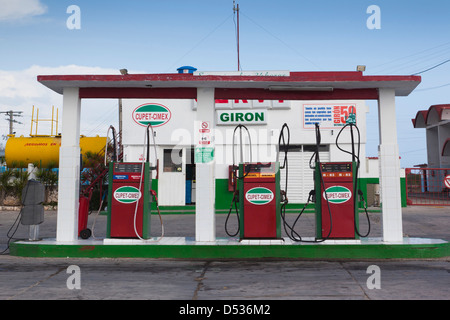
x=149, y=126
x=283, y=143
x=351, y=123
x=241, y=150
x=152, y=193
x=115, y=157
x=290, y=229
x=235, y=170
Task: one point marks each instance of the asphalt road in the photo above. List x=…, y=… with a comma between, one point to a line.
x=260, y=283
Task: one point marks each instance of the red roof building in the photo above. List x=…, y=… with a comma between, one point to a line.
x=436, y=121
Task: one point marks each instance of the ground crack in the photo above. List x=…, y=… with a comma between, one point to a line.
x=36, y=284
x=356, y=282
x=200, y=279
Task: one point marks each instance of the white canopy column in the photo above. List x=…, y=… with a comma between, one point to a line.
x=389, y=163
x=69, y=168
x=205, y=221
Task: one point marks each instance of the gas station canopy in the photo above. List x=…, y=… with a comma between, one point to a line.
x=206, y=87
x=270, y=85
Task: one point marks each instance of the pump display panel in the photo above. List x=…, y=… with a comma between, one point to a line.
x=259, y=170
x=336, y=167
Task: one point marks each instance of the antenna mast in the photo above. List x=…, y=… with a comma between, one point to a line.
x=236, y=11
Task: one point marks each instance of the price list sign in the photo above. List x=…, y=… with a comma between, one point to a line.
x=328, y=116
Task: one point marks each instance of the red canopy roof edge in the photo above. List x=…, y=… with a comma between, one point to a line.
x=298, y=81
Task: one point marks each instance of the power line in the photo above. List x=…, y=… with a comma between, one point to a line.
x=202, y=40
x=283, y=42
x=413, y=151
x=422, y=57
x=434, y=67
x=432, y=88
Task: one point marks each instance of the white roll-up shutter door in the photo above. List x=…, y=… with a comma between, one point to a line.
x=300, y=175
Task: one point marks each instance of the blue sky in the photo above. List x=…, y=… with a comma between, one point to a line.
x=159, y=36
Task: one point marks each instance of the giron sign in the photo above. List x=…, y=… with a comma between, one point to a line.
x=337, y=194
x=241, y=117
x=259, y=196
x=152, y=113
x=127, y=194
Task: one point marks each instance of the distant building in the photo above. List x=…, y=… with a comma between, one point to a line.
x=436, y=121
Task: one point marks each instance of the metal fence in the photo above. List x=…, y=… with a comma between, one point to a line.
x=428, y=186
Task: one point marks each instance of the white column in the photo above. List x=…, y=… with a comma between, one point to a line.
x=69, y=168
x=389, y=163
x=31, y=171
x=33, y=230
x=205, y=221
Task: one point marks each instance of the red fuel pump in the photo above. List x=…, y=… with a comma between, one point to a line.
x=130, y=197
x=259, y=199
x=336, y=188
x=129, y=200
x=256, y=197
x=336, y=212
x=335, y=195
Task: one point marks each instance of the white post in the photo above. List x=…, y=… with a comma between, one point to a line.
x=33, y=230
x=69, y=168
x=205, y=220
x=31, y=172
x=389, y=163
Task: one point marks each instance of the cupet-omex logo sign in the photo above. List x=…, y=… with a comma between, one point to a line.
x=152, y=113
x=127, y=194
x=337, y=194
x=259, y=196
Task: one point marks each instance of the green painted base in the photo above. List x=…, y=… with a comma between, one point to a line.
x=223, y=249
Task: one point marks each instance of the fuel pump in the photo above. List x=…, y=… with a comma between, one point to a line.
x=259, y=200
x=257, y=196
x=337, y=192
x=130, y=196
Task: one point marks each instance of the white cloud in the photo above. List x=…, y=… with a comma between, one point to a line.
x=20, y=91
x=20, y=9
x=21, y=86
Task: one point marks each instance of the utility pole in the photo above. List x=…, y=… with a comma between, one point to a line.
x=10, y=117
x=123, y=72
x=236, y=11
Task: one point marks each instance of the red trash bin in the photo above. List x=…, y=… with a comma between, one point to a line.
x=83, y=212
